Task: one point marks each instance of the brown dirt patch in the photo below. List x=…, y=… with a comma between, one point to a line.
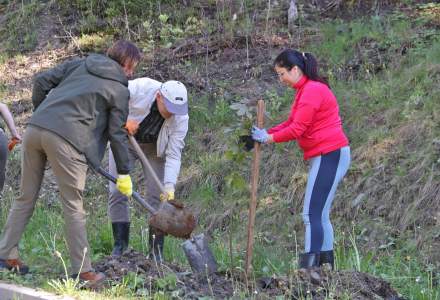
x=172, y=278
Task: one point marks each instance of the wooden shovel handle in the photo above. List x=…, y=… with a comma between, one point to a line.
x=254, y=185
x=146, y=163
x=135, y=195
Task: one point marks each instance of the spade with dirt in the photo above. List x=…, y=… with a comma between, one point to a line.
x=172, y=218
x=169, y=218
x=196, y=248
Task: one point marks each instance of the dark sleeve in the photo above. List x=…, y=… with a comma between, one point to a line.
x=117, y=133
x=47, y=80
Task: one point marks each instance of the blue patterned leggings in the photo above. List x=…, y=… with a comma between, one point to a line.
x=326, y=171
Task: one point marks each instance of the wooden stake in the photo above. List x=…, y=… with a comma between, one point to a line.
x=254, y=185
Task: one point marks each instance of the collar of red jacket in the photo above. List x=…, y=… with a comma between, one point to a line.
x=300, y=82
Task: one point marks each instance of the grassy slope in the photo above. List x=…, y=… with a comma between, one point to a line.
x=386, y=75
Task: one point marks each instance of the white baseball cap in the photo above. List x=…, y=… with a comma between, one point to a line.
x=175, y=97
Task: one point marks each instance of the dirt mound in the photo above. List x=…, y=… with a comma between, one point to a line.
x=169, y=277
x=147, y=277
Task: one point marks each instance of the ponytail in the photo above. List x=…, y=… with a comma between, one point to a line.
x=303, y=60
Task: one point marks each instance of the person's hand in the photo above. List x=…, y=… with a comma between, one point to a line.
x=14, y=141
x=259, y=135
x=168, y=194
x=17, y=137
x=124, y=185
x=132, y=127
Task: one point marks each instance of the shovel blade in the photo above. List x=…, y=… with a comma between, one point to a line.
x=174, y=220
x=199, y=255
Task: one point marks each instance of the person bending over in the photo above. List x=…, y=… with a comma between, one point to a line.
x=315, y=124
x=158, y=119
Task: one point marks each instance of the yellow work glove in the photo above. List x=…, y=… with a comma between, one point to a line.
x=124, y=185
x=131, y=126
x=168, y=194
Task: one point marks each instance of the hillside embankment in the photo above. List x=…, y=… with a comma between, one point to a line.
x=382, y=59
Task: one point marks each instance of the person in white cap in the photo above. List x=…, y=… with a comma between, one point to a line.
x=158, y=119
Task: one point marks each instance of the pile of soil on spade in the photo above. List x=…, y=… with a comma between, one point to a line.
x=147, y=277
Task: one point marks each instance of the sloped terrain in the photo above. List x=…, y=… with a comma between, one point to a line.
x=384, y=70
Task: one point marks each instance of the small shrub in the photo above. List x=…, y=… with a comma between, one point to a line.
x=93, y=42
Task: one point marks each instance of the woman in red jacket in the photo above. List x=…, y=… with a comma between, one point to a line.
x=315, y=123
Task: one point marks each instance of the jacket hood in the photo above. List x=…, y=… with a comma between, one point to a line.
x=105, y=67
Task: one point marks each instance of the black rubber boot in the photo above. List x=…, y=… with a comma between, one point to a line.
x=121, y=235
x=156, y=240
x=308, y=260
x=327, y=257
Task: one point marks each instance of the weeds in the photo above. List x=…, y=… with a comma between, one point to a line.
x=67, y=285
x=20, y=27
x=384, y=70
x=93, y=42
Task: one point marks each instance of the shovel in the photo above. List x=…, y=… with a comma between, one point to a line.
x=196, y=248
x=170, y=219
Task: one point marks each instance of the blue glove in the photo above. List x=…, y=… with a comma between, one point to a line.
x=259, y=135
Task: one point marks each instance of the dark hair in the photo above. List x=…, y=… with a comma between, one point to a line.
x=305, y=61
x=124, y=52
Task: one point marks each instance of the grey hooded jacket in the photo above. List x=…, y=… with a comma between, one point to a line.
x=85, y=101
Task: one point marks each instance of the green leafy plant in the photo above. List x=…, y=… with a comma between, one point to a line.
x=168, y=282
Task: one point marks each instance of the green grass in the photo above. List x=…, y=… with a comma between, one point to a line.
x=398, y=262
x=20, y=30
x=391, y=99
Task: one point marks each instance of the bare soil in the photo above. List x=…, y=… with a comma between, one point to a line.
x=180, y=282
x=235, y=70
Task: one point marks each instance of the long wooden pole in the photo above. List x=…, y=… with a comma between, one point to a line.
x=254, y=185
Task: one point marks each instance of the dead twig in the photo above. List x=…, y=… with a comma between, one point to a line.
x=217, y=221
x=127, y=27
x=70, y=36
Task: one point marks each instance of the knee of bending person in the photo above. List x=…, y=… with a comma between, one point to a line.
x=75, y=216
